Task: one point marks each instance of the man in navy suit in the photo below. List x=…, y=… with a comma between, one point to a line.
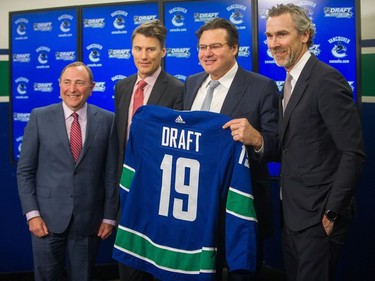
x=322, y=152
x=248, y=96
x=161, y=88
x=69, y=203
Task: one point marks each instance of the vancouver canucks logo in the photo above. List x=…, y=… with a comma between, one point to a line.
x=339, y=50
x=119, y=22
x=65, y=26
x=236, y=17
x=94, y=55
x=21, y=88
x=43, y=58
x=21, y=29
x=178, y=20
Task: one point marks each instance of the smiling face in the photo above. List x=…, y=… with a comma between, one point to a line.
x=147, y=53
x=219, y=61
x=285, y=43
x=75, y=87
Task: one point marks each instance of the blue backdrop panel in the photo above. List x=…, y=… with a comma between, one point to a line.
x=106, y=44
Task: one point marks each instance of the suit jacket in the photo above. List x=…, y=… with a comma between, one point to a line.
x=322, y=148
x=254, y=97
x=167, y=91
x=50, y=181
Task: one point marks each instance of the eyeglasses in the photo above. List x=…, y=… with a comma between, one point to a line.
x=213, y=47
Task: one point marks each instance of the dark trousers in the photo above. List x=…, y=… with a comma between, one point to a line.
x=51, y=252
x=310, y=254
x=130, y=274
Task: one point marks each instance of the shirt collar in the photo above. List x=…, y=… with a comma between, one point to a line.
x=297, y=69
x=82, y=112
x=226, y=80
x=150, y=80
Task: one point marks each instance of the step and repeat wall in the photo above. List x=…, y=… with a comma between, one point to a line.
x=42, y=42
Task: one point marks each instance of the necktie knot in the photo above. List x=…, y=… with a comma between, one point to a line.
x=139, y=95
x=75, y=116
x=209, y=96
x=142, y=84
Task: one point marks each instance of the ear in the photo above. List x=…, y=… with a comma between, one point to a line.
x=305, y=36
x=163, y=52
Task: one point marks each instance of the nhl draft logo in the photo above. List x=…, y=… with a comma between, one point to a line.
x=205, y=17
x=66, y=56
x=344, y=12
x=22, y=117
x=42, y=26
x=119, y=54
x=181, y=77
x=94, y=23
x=178, y=52
x=99, y=87
x=43, y=87
x=315, y=49
x=142, y=19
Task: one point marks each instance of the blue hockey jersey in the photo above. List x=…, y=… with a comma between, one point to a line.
x=180, y=170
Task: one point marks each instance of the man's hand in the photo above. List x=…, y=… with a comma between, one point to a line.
x=328, y=225
x=105, y=230
x=38, y=227
x=242, y=131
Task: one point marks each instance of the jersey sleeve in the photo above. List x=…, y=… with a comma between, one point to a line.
x=241, y=219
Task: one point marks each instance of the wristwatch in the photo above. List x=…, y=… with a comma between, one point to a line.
x=331, y=215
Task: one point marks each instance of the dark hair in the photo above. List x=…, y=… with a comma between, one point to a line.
x=153, y=28
x=302, y=22
x=232, y=32
x=76, y=64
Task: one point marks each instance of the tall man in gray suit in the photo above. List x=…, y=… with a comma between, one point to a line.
x=322, y=152
x=158, y=88
x=240, y=94
x=67, y=179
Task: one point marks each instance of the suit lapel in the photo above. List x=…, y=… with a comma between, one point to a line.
x=297, y=94
x=126, y=92
x=92, y=124
x=190, y=99
x=235, y=93
x=58, y=120
x=158, y=89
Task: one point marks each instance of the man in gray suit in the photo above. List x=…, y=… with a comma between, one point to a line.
x=160, y=88
x=69, y=197
x=240, y=94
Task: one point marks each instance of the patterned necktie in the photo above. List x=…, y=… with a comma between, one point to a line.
x=287, y=89
x=75, y=137
x=210, y=92
x=138, y=96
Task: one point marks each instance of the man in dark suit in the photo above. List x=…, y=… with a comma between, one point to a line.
x=148, y=49
x=240, y=94
x=322, y=151
x=69, y=195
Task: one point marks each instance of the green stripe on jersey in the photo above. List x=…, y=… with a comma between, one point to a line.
x=167, y=258
x=241, y=204
x=127, y=176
